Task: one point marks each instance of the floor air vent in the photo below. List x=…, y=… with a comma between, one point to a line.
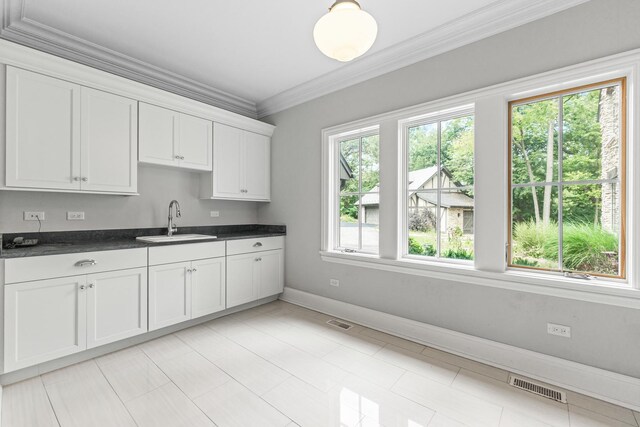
x=537, y=388
x=339, y=324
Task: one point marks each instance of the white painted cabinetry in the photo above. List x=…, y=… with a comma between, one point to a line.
x=190, y=288
x=170, y=138
x=255, y=269
x=66, y=137
x=241, y=165
x=50, y=317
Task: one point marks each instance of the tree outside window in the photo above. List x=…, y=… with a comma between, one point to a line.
x=567, y=179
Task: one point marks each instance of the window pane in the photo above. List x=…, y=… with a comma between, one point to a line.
x=591, y=135
x=422, y=219
x=534, y=142
x=423, y=157
x=349, y=165
x=456, y=224
x=349, y=230
x=456, y=147
x=370, y=224
x=370, y=163
x=591, y=225
x=534, y=233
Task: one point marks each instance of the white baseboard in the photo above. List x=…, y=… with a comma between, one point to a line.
x=609, y=386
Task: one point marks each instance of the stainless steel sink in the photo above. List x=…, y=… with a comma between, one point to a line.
x=175, y=238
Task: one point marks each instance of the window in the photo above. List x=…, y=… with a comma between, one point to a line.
x=438, y=185
x=568, y=181
x=358, y=166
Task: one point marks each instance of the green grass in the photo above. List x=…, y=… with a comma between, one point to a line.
x=585, y=247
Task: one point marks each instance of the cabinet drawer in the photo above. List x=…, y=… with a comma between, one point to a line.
x=51, y=266
x=187, y=252
x=245, y=246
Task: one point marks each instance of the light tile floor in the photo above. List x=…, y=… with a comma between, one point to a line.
x=282, y=365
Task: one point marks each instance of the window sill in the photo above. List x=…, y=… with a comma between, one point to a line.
x=603, y=292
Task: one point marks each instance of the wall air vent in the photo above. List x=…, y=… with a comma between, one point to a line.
x=537, y=388
x=339, y=324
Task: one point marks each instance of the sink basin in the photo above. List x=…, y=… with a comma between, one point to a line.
x=175, y=238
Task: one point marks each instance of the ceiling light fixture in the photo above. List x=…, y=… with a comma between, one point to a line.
x=346, y=32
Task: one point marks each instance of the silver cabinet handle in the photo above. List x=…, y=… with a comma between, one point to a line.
x=179, y=157
x=82, y=287
x=189, y=270
x=258, y=259
x=76, y=178
x=194, y=270
x=257, y=244
x=85, y=179
x=86, y=263
x=91, y=285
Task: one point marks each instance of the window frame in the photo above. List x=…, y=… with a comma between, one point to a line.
x=330, y=203
x=491, y=129
x=427, y=118
x=360, y=135
x=560, y=183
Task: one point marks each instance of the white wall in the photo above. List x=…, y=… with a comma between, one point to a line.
x=603, y=336
x=157, y=187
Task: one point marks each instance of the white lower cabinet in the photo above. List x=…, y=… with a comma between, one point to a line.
x=185, y=290
x=47, y=319
x=169, y=294
x=253, y=276
x=116, y=306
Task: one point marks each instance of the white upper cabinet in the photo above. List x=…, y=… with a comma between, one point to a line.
x=109, y=142
x=43, y=132
x=62, y=136
x=227, y=161
x=158, y=138
x=170, y=138
x=241, y=168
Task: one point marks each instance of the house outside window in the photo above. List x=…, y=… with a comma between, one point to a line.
x=567, y=171
x=438, y=186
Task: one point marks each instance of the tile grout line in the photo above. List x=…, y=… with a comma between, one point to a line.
x=173, y=382
x=235, y=379
x=115, y=392
x=55, y=414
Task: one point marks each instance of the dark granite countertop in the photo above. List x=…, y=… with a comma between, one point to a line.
x=66, y=242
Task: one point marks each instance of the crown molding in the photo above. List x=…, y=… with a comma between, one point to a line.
x=485, y=22
x=18, y=28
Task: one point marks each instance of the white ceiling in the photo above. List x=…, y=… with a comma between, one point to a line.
x=253, y=49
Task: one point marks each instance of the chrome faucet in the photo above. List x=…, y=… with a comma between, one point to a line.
x=171, y=228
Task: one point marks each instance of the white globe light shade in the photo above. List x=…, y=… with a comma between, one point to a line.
x=346, y=32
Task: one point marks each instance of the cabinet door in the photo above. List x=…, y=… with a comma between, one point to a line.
x=207, y=286
x=116, y=306
x=43, y=131
x=257, y=166
x=169, y=294
x=227, y=162
x=195, y=143
x=109, y=142
x=158, y=135
x=271, y=266
x=242, y=279
x=44, y=320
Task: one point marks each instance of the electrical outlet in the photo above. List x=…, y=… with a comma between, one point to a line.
x=334, y=282
x=559, y=330
x=33, y=216
x=75, y=216
x=215, y=214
